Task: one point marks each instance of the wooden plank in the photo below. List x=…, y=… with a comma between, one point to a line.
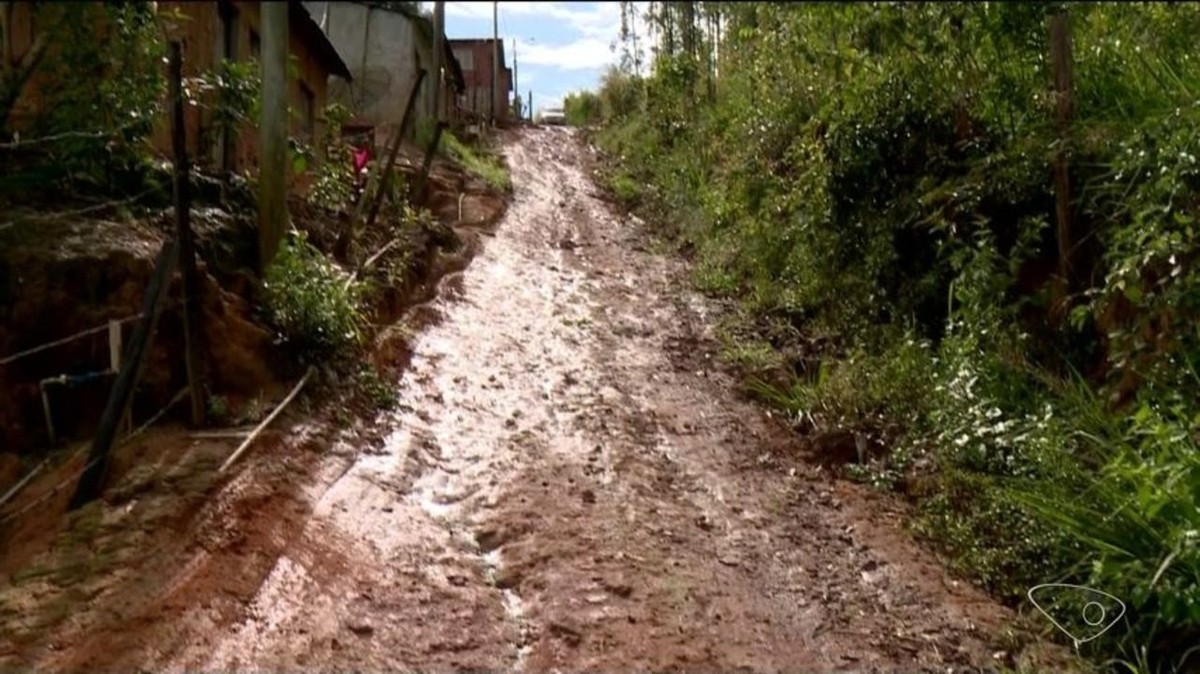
x=267, y=422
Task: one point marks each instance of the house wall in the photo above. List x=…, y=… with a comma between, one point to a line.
x=198, y=26
x=476, y=57
x=384, y=49
x=201, y=33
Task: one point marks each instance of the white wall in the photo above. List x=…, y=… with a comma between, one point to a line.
x=383, y=50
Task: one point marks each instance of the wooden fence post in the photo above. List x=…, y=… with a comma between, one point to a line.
x=273, y=132
x=346, y=236
x=1060, y=59
x=418, y=191
x=193, y=329
x=131, y=369
x=386, y=176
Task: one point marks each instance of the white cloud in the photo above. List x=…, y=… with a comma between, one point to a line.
x=589, y=19
x=589, y=30
x=583, y=54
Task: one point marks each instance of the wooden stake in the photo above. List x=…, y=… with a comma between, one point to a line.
x=131, y=369
x=386, y=176
x=439, y=34
x=273, y=132
x=430, y=151
x=114, y=346
x=495, y=58
x=193, y=330
x=114, y=363
x=1060, y=59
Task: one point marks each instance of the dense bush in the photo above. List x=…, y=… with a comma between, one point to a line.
x=99, y=90
x=311, y=304
x=880, y=177
x=582, y=108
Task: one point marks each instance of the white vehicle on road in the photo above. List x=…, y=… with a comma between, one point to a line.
x=552, y=116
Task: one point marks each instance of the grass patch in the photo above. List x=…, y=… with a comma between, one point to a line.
x=486, y=166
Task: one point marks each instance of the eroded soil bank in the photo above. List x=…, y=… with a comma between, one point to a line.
x=571, y=482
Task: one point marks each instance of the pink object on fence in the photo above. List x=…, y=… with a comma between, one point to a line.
x=362, y=155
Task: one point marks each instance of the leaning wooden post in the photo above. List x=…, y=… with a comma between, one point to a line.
x=131, y=369
x=419, y=191
x=346, y=236
x=1060, y=59
x=193, y=331
x=386, y=176
x=439, y=34
x=272, y=163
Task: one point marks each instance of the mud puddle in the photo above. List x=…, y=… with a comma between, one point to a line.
x=572, y=484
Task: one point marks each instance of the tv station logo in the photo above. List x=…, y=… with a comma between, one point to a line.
x=1079, y=612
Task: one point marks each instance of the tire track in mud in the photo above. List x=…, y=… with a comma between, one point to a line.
x=571, y=483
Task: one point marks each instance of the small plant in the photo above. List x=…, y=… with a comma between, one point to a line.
x=232, y=92
x=625, y=188
x=334, y=186
x=311, y=303
x=218, y=409
x=379, y=391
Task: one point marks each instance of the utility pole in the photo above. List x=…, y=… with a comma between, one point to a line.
x=516, y=86
x=273, y=164
x=530, y=104
x=495, y=57
x=439, y=36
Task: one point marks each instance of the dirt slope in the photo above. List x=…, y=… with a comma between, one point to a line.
x=572, y=483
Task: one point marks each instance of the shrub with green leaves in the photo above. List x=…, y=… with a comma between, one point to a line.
x=100, y=91
x=333, y=187
x=311, y=303
x=1138, y=521
x=880, y=174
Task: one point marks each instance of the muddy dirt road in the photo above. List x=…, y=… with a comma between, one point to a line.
x=572, y=482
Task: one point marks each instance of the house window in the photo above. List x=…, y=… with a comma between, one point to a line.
x=310, y=111
x=255, y=44
x=229, y=23
x=466, y=59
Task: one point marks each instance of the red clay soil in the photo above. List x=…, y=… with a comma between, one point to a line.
x=571, y=483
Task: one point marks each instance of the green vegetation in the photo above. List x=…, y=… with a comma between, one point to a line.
x=315, y=308
x=479, y=162
x=476, y=159
x=876, y=184
x=582, y=108
x=377, y=389
x=98, y=97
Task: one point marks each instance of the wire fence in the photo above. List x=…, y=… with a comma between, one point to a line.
x=59, y=215
x=75, y=475
x=78, y=335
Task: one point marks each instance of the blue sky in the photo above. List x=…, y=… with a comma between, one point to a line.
x=561, y=46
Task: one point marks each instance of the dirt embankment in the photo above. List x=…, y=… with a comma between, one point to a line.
x=72, y=275
x=570, y=483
